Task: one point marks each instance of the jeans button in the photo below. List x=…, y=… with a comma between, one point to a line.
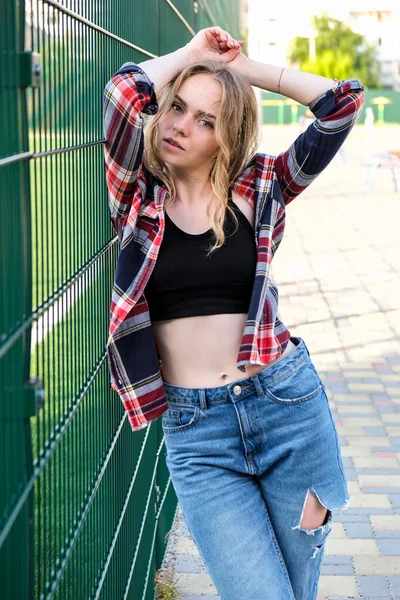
x=236, y=390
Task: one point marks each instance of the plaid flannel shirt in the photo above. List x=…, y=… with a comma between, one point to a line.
x=136, y=200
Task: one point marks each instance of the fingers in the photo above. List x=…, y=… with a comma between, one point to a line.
x=224, y=39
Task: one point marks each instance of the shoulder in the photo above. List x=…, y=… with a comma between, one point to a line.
x=244, y=206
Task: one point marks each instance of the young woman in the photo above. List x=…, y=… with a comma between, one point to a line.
x=195, y=334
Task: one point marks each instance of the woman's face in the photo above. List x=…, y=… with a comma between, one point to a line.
x=190, y=123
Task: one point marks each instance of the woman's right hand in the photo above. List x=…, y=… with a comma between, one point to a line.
x=213, y=43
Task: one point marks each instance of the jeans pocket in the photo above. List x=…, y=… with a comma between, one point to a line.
x=298, y=386
x=180, y=418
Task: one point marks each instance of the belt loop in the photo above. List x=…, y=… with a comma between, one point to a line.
x=203, y=400
x=258, y=386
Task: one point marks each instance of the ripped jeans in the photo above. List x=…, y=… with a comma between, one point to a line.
x=242, y=458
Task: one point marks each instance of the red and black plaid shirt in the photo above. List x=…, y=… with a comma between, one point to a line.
x=136, y=201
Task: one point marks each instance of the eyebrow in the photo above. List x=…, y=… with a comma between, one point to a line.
x=199, y=112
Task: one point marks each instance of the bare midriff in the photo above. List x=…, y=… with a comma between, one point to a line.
x=201, y=352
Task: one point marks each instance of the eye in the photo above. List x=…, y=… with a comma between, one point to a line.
x=207, y=123
x=176, y=107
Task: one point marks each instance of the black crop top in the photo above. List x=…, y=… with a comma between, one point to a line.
x=186, y=283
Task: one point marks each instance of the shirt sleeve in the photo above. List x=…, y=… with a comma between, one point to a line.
x=128, y=94
x=336, y=112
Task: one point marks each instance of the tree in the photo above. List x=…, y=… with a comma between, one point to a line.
x=340, y=53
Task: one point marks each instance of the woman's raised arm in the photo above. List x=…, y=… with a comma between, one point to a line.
x=301, y=86
x=335, y=104
x=213, y=43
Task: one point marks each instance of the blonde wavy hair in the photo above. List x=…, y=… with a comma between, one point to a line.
x=236, y=132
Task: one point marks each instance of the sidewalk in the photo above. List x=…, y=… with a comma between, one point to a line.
x=338, y=273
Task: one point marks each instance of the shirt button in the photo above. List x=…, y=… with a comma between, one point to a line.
x=236, y=390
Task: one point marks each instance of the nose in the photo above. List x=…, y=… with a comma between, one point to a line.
x=182, y=125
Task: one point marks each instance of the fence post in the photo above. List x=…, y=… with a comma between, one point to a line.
x=17, y=396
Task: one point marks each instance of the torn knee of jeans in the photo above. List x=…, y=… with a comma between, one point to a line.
x=325, y=526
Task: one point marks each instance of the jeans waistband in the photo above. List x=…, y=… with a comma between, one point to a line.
x=240, y=388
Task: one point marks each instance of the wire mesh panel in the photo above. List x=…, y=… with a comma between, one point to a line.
x=85, y=503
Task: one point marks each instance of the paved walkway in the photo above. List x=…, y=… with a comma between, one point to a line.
x=338, y=274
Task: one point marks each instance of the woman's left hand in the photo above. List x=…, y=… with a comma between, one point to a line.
x=213, y=43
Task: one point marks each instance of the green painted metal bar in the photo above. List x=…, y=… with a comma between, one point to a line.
x=91, y=502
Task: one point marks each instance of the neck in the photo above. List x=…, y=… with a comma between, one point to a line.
x=190, y=193
x=192, y=186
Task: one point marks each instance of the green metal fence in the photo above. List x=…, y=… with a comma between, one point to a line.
x=85, y=504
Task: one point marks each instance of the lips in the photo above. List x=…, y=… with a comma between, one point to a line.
x=174, y=143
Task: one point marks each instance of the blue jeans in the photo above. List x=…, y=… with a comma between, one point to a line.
x=242, y=458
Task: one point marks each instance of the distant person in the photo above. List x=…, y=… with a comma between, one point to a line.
x=369, y=123
x=369, y=118
x=195, y=336
x=305, y=120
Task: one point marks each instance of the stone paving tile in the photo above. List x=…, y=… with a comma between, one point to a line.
x=375, y=431
x=374, y=586
x=352, y=518
x=371, y=501
x=359, y=530
x=351, y=474
x=352, y=451
x=361, y=421
x=188, y=564
x=338, y=560
x=186, y=546
x=356, y=441
x=393, y=431
x=395, y=500
x=381, y=490
x=369, y=511
x=372, y=462
x=377, y=565
x=338, y=585
x=343, y=441
x=347, y=598
x=386, y=534
x=356, y=411
x=387, y=548
x=194, y=583
x=394, y=583
x=386, y=522
x=337, y=569
x=386, y=597
x=381, y=481
x=357, y=431
x=382, y=470
x=351, y=547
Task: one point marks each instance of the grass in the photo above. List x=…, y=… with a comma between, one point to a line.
x=165, y=584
